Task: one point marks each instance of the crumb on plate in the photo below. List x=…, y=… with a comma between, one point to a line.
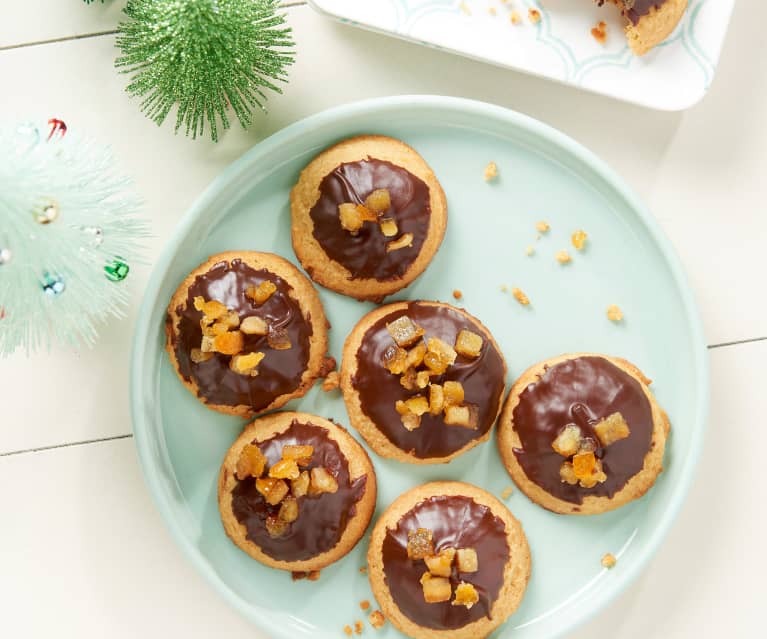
x=609, y=560
x=491, y=171
x=520, y=296
x=377, y=619
x=534, y=15
x=614, y=313
x=563, y=257
x=507, y=492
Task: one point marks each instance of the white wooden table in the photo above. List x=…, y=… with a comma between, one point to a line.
x=83, y=552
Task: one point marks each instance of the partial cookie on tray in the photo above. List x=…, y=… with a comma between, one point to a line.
x=650, y=22
x=246, y=333
x=447, y=560
x=368, y=215
x=582, y=433
x=296, y=491
x=423, y=381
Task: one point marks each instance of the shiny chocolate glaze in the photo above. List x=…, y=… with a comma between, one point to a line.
x=322, y=519
x=635, y=9
x=583, y=391
x=482, y=379
x=455, y=522
x=364, y=254
x=279, y=372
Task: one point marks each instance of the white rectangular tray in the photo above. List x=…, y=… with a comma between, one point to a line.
x=674, y=76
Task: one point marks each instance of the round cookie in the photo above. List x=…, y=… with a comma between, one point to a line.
x=454, y=515
x=374, y=392
x=565, y=413
x=328, y=524
x=360, y=262
x=650, y=22
x=294, y=347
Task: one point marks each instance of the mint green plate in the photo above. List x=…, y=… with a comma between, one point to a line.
x=543, y=176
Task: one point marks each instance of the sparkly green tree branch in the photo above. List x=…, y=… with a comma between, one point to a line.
x=205, y=57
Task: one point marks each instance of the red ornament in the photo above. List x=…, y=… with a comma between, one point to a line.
x=57, y=126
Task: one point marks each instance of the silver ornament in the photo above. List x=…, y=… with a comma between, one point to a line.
x=47, y=211
x=96, y=233
x=53, y=285
x=5, y=256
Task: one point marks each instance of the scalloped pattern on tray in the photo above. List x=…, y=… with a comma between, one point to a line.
x=672, y=77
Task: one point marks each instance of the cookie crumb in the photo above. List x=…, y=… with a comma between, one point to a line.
x=363, y=570
x=542, y=227
x=515, y=17
x=465, y=8
x=534, y=15
x=504, y=288
x=457, y=294
x=507, y=492
x=563, y=257
x=579, y=239
x=614, y=313
x=314, y=575
x=529, y=250
x=520, y=296
x=376, y=619
x=358, y=627
x=491, y=171
x=348, y=630
x=331, y=382
x=491, y=11
x=599, y=32
x=609, y=560
x=364, y=604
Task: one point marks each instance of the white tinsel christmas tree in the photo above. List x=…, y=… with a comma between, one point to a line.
x=68, y=236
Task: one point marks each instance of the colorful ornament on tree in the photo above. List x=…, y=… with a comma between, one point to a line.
x=205, y=58
x=68, y=232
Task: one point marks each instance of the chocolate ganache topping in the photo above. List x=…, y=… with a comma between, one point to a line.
x=482, y=379
x=456, y=522
x=322, y=519
x=635, y=9
x=364, y=254
x=279, y=372
x=582, y=391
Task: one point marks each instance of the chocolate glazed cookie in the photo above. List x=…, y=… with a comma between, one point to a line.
x=368, y=215
x=246, y=333
x=448, y=560
x=650, y=22
x=296, y=491
x=582, y=433
x=427, y=399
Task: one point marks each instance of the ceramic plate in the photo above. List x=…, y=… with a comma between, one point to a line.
x=672, y=77
x=543, y=175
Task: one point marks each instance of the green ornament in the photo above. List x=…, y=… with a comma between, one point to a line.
x=204, y=57
x=116, y=270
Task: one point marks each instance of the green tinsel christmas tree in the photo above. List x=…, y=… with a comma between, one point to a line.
x=205, y=57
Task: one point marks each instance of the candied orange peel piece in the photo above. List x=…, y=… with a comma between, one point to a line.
x=468, y=343
x=259, y=294
x=466, y=416
x=246, y=364
x=567, y=442
x=229, y=343
x=419, y=543
x=404, y=331
x=612, y=429
x=378, y=201
x=441, y=565
x=465, y=595
x=322, y=481
x=251, y=462
x=467, y=560
x=285, y=469
x=435, y=589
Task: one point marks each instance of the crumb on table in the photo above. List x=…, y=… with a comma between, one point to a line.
x=529, y=250
x=491, y=171
x=363, y=570
x=457, y=294
x=358, y=627
x=609, y=560
x=348, y=630
x=534, y=15
x=515, y=17
x=507, y=492
x=364, y=604
x=504, y=288
x=614, y=313
x=563, y=257
x=314, y=575
x=542, y=227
